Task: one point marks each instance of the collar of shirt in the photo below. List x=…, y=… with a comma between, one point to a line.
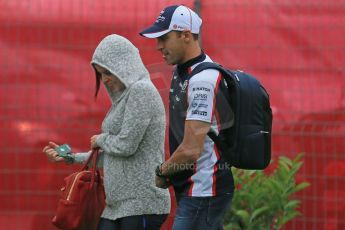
x=182, y=68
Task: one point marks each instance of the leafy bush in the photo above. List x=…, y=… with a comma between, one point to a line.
x=265, y=201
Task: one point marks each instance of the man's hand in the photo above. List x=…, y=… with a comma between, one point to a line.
x=162, y=182
x=51, y=153
x=93, y=142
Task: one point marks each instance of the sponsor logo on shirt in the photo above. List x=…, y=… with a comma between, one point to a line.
x=184, y=86
x=200, y=96
x=201, y=113
x=195, y=104
x=201, y=89
x=203, y=106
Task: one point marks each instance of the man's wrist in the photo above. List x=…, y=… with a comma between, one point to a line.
x=159, y=172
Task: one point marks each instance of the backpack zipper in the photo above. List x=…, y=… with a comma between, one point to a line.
x=237, y=77
x=261, y=131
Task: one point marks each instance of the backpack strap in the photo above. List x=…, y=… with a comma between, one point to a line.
x=209, y=65
x=212, y=65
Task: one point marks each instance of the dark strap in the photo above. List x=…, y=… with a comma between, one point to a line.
x=210, y=65
x=212, y=134
x=201, y=67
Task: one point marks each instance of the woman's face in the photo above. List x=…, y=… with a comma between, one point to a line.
x=110, y=80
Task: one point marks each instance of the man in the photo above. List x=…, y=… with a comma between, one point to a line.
x=203, y=186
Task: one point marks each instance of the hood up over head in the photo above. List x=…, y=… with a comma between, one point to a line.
x=120, y=57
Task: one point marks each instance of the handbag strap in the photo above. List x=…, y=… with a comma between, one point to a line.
x=94, y=157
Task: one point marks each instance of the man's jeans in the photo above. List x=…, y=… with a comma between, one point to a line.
x=201, y=213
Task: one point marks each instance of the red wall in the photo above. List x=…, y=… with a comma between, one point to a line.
x=296, y=48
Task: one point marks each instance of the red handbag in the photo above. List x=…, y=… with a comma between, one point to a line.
x=82, y=200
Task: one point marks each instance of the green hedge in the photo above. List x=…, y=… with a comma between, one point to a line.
x=265, y=200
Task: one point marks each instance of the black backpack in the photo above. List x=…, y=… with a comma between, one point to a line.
x=247, y=144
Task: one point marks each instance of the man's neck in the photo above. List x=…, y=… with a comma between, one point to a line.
x=191, y=53
x=181, y=68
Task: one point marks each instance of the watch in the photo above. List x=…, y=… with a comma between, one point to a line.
x=159, y=171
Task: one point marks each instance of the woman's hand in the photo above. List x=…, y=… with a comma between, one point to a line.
x=93, y=142
x=51, y=153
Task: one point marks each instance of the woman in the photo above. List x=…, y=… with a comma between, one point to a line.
x=131, y=142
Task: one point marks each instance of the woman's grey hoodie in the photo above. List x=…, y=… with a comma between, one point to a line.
x=132, y=136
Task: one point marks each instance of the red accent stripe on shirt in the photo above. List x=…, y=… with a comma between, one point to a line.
x=218, y=119
x=216, y=152
x=189, y=70
x=191, y=182
x=215, y=168
x=216, y=113
x=215, y=93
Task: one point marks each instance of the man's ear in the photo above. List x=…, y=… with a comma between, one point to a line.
x=187, y=35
